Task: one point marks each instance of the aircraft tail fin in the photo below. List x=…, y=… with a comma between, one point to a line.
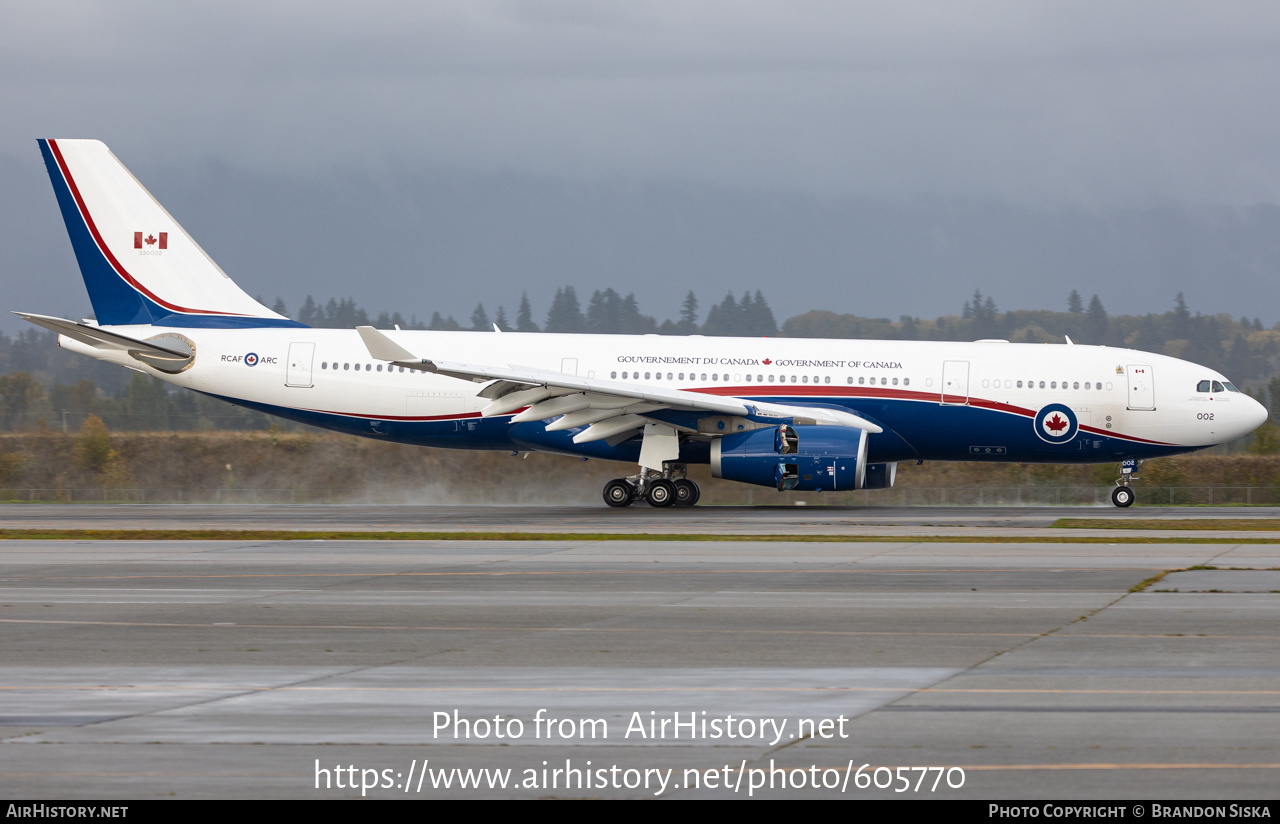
x=138, y=264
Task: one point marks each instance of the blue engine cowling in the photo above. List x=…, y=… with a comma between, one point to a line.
x=804, y=458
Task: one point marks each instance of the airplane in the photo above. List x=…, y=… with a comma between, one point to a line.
x=792, y=414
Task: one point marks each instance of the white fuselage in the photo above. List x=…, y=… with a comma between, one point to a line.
x=926, y=392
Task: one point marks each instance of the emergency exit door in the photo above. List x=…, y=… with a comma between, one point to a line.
x=955, y=382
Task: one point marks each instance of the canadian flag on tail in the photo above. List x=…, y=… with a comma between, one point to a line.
x=159, y=240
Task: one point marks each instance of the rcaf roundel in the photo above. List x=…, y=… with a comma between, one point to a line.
x=1056, y=423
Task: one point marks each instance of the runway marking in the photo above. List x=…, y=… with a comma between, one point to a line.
x=252, y=535
x=574, y=572
x=478, y=688
x=1048, y=634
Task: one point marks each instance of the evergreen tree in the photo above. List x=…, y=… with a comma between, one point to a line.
x=688, y=324
x=724, y=318
x=565, y=314
x=1074, y=303
x=440, y=324
x=480, y=320
x=757, y=317
x=603, y=312
x=1096, y=322
x=310, y=314
x=524, y=318
x=1181, y=319
x=501, y=320
x=279, y=308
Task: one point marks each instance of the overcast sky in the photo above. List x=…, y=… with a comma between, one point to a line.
x=876, y=158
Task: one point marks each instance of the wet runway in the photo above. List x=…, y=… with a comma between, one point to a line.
x=883, y=521
x=264, y=669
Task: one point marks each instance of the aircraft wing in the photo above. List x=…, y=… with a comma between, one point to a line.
x=606, y=408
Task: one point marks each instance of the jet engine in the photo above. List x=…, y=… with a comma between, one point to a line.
x=804, y=458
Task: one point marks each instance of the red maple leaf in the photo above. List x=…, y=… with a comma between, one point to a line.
x=766, y=361
x=1056, y=423
x=149, y=239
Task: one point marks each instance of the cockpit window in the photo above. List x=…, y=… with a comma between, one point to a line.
x=1202, y=386
x=1217, y=387
x=1230, y=387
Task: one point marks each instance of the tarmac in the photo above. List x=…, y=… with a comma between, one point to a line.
x=636, y=668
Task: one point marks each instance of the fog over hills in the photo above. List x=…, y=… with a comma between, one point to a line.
x=862, y=157
x=422, y=244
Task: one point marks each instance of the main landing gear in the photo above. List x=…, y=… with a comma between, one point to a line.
x=659, y=489
x=1123, y=495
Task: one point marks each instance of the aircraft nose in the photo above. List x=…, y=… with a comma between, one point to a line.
x=1254, y=415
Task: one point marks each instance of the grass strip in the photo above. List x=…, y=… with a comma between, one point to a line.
x=1213, y=524
x=300, y=535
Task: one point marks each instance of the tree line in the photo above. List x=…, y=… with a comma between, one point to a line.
x=607, y=313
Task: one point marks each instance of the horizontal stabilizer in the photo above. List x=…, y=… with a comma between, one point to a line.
x=100, y=338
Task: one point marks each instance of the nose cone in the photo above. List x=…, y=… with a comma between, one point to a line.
x=1252, y=415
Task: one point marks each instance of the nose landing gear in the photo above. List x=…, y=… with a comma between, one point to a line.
x=1123, y=495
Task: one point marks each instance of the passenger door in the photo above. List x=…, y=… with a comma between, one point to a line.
x=1142, y=387
x=298, y=372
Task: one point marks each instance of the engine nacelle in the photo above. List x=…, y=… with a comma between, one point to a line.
x=804, y=458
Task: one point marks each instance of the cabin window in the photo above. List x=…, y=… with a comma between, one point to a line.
x=704, y=376
x=346, y=366
x=861, y=380
x=827, y=379
x=895, y=381
x=805, y=379
x=324, y=364
x=748, y=379
x=884, y=381
x=906, y=381
x=1042, y=384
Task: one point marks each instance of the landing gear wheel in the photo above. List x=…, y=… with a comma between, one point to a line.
x=619, y=493
x=1122, y=496
x=660, y=493
x=687, y=492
